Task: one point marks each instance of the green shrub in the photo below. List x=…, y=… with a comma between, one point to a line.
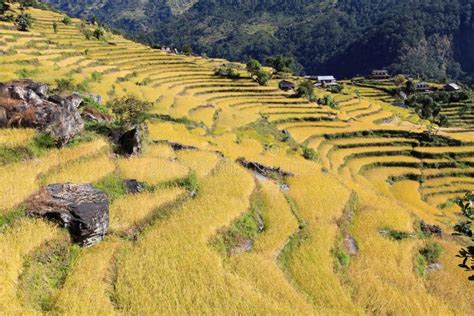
x=253, y=66
x=96, y=76
x=228, y=72
x=23, y=22
x=394, y=234
x=67, y=20
x=99, y=33
x=310, y=154
x=129, y=111
x=305, y=90
x=64, y=85
x=262, y=77
x=431, y=252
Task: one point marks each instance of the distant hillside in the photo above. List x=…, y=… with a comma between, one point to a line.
x=348, y=37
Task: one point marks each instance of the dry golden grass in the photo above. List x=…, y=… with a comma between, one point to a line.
x=259, y=268
x=321, y=200
x=383, y=274
x=88, y=289
x=159, y=151
x=202, y=162
x=15, y=137
x=132, y=210
x=85, y=171
x=15, y=243
x=151, y=170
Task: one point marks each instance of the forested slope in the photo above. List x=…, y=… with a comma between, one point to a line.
x=348, y=37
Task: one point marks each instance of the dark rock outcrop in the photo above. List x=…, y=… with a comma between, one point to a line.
x=80, y=208
x=428, y=229
x=25, y=103
x=133, y=186
x=268, y=172
x=131, y=141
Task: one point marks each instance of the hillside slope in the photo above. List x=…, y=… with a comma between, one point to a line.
x=349, y=37
x=340, y=192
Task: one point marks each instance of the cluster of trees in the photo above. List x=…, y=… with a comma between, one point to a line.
x=254, y=67
x=429, y=105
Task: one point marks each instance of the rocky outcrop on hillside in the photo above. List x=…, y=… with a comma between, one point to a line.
x=25, y=103
x=80, y=208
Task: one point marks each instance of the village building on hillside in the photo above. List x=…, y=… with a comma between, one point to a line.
x=286, y=85
x=379, y=74
x=326, y=81
x=452, y=87
x=422, y=86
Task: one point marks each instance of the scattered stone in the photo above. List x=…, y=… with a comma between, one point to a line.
x=133, y=186
x=428, y=229
x=260, y=223
x=80, y=208
x=284, y=187
x=25, y=103
x=244, y=245
x=433, y=267
x=351, y=245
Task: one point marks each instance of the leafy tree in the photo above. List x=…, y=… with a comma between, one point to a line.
x=99, y=33
x=305, y=90
x=398, y=80
x=187, y=50
x=23, y=22
x=262, y=77
x=280, y=63
x=336, y=88
x=253, y=66
x=55, y=27
x=129, y=111
x=410, y=87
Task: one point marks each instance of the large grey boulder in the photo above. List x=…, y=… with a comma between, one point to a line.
x=80, y=208
x=25, y=104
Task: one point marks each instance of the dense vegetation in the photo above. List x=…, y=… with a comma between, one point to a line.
x=423, y=37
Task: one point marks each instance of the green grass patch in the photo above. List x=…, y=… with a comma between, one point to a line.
x=10, y=217
x=243, y=230
x=44, y=273
x=427, y=255
x=112, y=185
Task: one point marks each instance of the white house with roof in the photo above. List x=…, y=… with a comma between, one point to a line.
x=326, y=81
x=452, y=87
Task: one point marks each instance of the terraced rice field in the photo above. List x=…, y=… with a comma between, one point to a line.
x=371, y=170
